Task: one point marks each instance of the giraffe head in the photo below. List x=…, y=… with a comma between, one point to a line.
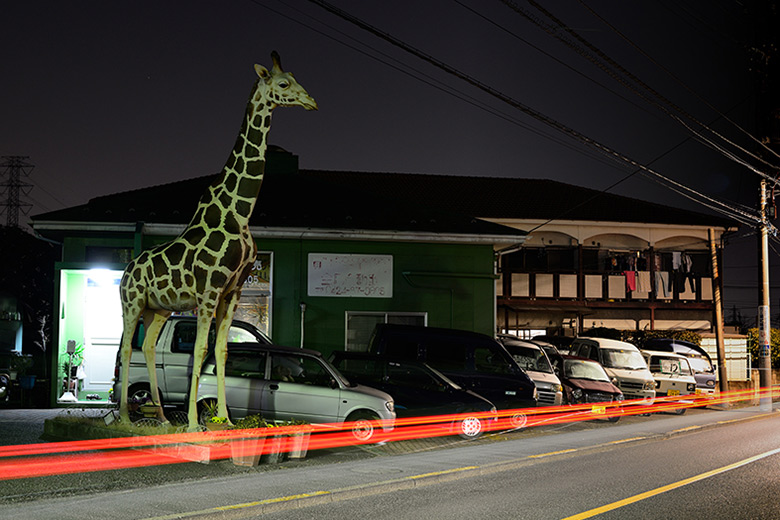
x=281, y=87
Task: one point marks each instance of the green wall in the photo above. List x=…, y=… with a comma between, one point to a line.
x=452, y=283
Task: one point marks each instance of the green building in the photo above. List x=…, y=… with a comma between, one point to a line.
x=333, y=261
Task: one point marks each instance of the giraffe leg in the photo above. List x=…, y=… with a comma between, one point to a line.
x=130, y=321
x=153, y=322
x=225, y=312
x=201, y=347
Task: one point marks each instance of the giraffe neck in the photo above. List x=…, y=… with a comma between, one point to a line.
x=237, y=188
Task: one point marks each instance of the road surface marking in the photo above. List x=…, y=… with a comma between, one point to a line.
x=550, y=454
x=271, y=500
x=621, y=441
x=444, y=472
x=670, y=487
x=688, y=429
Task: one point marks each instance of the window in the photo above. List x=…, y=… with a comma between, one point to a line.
x=360, y=325
x=489, y=360
x=298, y=369
x=246, y=364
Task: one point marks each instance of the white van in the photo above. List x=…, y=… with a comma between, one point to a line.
x=623, y=363
x=673, y=374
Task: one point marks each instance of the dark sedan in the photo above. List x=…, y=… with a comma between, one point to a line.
x=585, y=381
x=417, y=389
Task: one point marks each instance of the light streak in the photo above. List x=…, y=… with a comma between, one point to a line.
x=58, y=458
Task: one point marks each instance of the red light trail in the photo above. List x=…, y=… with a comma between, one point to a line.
x=56, y=458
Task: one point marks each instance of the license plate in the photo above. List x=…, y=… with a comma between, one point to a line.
x=673, y=392
x=599, y=410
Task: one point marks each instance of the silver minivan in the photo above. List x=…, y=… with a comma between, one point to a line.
x=173, y=359
x=623, y=363
x=287, y=383
x=533, y=359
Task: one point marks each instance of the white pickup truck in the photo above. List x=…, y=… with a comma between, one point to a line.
x=174, y=359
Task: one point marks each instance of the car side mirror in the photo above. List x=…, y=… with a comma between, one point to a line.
x=333, y=383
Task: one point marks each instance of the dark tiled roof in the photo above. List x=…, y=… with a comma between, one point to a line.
x=320, y=199
x=287, y=200
x=508, y=198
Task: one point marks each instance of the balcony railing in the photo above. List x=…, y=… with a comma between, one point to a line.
x=634, y=286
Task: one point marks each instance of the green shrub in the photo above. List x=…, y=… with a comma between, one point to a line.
x=774, y=344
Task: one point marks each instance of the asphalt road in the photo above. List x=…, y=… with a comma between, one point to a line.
x=550, y=472
x=589, y=482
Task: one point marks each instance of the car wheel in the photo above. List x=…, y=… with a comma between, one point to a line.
x=207, y=409
x=139, y=394
x=680, y=411
x=470, y=427
x=363, y=425
x=613, y=418
x=518, y=420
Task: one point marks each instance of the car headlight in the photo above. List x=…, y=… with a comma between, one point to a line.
x=619, y=397
x=614, y=381
x=556, y=388
x=649, y=385
x=691, y=387
x=710, y=383
x=576, y=394
x=390, y=405
x=536, y=394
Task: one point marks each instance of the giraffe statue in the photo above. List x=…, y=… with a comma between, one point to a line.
x=205, y=267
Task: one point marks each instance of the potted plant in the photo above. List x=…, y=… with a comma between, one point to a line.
x=300, y=432
x=247, y=451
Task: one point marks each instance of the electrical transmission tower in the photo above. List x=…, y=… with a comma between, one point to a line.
x=15, y=166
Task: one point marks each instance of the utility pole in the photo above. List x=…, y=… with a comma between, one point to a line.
x=764, y=324
x=723, y=379
x=15, y=166
x=766, y=71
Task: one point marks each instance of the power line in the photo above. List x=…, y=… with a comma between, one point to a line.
x=681, y=83
x=686, y=191
x=602, y=57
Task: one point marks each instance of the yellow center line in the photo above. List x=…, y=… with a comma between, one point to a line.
x=689, y=428
x=550, y=454
x=443, y=472
x=271, y=500
x=627, y=440
x=669, y=487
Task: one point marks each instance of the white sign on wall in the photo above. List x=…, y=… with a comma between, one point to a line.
x=365, y=276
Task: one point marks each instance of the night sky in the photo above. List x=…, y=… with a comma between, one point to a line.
x=112, y=96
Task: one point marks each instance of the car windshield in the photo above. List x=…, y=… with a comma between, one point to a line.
x=670, y=365
x=444, y=378
x=623, y=358
x=700, y=365
x=582, y=369
x=529, y=358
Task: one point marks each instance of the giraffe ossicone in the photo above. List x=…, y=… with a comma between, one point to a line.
x=204, y=268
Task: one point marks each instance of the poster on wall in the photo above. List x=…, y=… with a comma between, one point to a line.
x=350, y=275
x=255, y=304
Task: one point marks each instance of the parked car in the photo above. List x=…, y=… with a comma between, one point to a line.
x=623, y=363
x=173, y=358
x=474, y=361
x=417, y=389
x=288, y=383
x=672, y=373
x=533, y=359
x=585, y=381
x=549, y=349
x=562, y=343
x=698, y=358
